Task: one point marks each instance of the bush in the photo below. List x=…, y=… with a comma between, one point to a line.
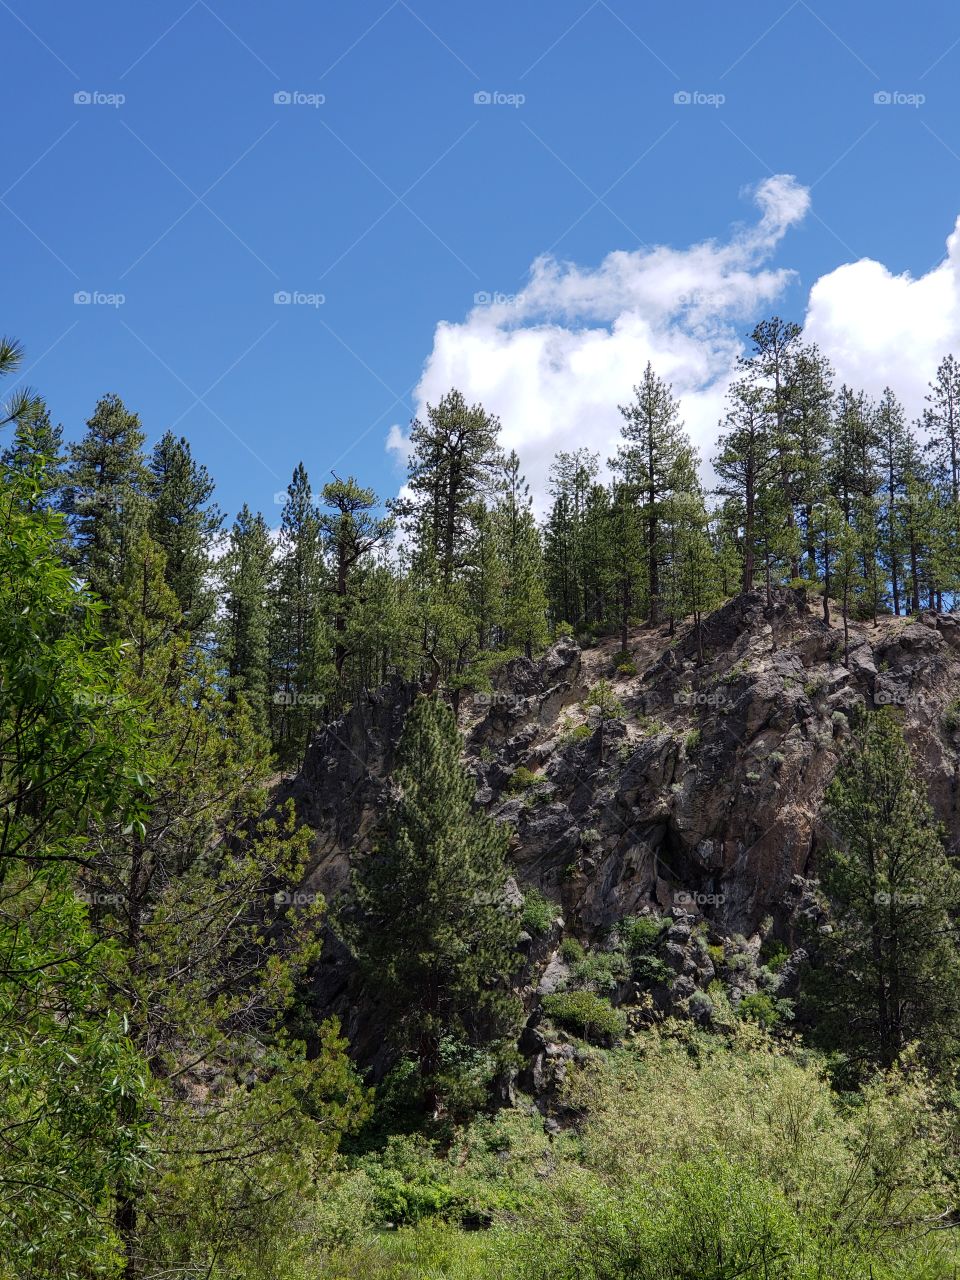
x=691, y=740
x=602, y=970
x=571, y=732
x=624, y=664
x=538, y=912
x=641, y=933
x=562, y=631
x=951, y=716
x=651, y=971
x=406, y=1183
x=774, y=955
x=523, y=778
x=586, y=1014
x=571, y=951
x=763, y=1009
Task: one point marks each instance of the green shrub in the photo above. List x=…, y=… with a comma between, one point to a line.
x=562, y=631
x=763, y=1009
x=406, y=1182
x=717, y=954
x=570, y=732
x=641, y=933
x=538, y=912
x=774, y=955
x=652, y=971
x=523, y=778
x=624, y=665
x=571, y=951
x=691, y=741
x=586, y=1014
x=951, y=716
x=602, y=970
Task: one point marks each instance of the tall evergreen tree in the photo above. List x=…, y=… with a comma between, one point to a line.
x=106, y=496
x=745, y=463
x=653, y=436
x=892, y=451
x=432, y=929
x=184, y=523
x=521, y=554
x=349, y=533
x=890, y=967
x=572, y=476
x=246, y=572
x=454, y=461
x=299, y=648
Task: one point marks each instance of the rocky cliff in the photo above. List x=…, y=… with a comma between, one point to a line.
x=704, y=804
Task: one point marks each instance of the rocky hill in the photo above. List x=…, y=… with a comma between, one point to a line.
x=704, y=806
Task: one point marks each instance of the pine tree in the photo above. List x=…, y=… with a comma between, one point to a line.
x=572, y=477
x=184, y=523
x=22, y=402
x=70, y=759
x=890, y=968
x=892, y=450
x=106, y=495
x=776, y=345
x=521, y=553
x=627, y=565
x=942, y=421
x=201, y=956
x=299, y=645
x=348, y=533
x=37, y=443
x=432, y=927
x=246, y=572
x=484, y=582
x=454, y=461
x=745, y=464
x=653, y=436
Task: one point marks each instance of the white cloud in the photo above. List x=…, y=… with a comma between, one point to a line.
x=554, y=361
x=879, y=328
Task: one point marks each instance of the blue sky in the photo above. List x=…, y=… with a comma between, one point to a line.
x=401, y=200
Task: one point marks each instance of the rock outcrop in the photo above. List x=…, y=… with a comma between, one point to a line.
x=707, y=805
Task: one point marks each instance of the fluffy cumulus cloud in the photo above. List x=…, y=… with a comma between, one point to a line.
x=883, y=329
x=554, y=361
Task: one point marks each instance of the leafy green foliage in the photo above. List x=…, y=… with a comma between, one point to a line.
x=538, y=912
x=432, y=929
x=586, y=1014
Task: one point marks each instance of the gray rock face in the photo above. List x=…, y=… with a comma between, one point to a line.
x=707, y=802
